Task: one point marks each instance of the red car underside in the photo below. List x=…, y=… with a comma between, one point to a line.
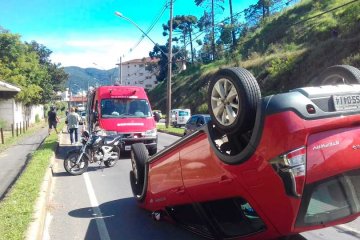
x=192, y=172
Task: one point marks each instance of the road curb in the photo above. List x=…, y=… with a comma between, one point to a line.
x=37, y=226
x=170, y=133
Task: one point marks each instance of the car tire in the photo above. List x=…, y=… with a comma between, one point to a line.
x=232, y=99
x=339, y=74
x=139, y=155
x=152, y=151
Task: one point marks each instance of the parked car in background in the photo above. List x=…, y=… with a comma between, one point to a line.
x=266, y=167
x=196, y=121
x=179, y=117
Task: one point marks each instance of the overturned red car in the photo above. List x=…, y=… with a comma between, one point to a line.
x=265, y=167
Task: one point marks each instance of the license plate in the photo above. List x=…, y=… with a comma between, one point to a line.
x=127, y=147
x=346, y=102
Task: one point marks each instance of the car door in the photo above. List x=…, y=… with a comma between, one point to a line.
x=204, y=176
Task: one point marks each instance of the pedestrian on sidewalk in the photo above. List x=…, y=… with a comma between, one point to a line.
x=73, y=120
x=52, y=119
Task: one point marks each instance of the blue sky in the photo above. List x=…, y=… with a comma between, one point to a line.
x=81, y=33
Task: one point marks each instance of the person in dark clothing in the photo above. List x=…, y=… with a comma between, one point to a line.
x=52, y=119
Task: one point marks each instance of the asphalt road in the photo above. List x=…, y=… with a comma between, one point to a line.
x=99, y=205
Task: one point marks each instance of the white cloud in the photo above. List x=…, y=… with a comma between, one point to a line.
x=86, y=51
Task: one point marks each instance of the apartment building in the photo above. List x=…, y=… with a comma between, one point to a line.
x=135, y=74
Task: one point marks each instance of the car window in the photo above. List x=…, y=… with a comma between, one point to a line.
x=207, y=119
x=119, y=108
x=193, y=120
x=183, y=113
x=201, y=121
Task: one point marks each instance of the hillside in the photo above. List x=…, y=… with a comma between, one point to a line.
x=82, y=78
x=286, y=51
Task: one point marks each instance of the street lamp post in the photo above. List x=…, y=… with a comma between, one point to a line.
x=169, y=57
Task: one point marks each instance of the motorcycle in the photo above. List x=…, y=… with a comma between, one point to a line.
x=95, y=148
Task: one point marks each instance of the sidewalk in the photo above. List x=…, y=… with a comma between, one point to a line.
x=14, y=159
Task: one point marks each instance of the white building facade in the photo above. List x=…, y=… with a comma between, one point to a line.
x=134, y=73
x=15, y=113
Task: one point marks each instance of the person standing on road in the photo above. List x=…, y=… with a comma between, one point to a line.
x=52, y=119
x=73, y=120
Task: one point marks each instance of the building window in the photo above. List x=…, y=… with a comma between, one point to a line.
x=135, y=65
x=128, y=74
x=141, y=65
x=141, y=82
x=155, y=82
x=128, y=66
x=148, y=86
x=140, y=74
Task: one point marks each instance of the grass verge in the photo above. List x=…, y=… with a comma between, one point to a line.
x=170, y=130
x=17, y=207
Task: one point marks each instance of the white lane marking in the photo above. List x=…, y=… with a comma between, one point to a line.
x=48, y=219
x=103, y=232
x=349, y=229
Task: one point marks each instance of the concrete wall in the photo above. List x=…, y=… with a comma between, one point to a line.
x=15, y=112
x=7, y=111
x=36, y=110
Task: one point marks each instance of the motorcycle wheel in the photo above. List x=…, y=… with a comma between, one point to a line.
x=73, y=168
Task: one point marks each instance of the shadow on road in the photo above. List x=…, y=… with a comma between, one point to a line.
x=125, y=220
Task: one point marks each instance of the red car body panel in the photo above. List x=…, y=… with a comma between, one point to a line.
x=192, y=171
x=126, y=125
x=327, y=150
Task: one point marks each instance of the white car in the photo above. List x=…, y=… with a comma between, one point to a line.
x=179, y=117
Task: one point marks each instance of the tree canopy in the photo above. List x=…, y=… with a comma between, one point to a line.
x=28, y=66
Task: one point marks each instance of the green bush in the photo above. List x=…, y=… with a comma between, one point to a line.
x=37, y=118
x=203, y=108
x=279, y=65
x=349, y=18
x=60, y=106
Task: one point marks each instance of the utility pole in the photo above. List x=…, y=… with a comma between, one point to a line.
x=213, y=30
x=168, y=104
x=232, y=25
x=120, y=70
